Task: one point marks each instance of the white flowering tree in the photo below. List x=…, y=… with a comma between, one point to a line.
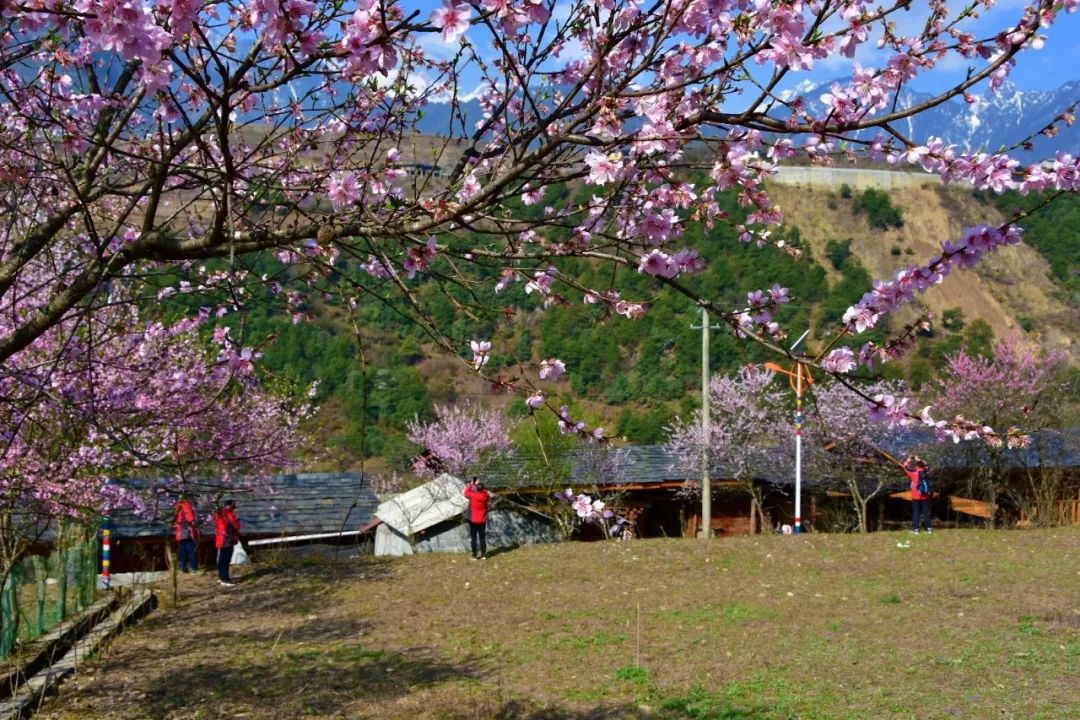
x=846, y=450
x=1020, y=385
x=749, y=423
x=460, y=440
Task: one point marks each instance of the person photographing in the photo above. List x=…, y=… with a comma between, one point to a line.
x=918, y=473
x=478, y=498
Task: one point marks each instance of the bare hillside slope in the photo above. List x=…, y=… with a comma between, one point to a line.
x=1010, y=285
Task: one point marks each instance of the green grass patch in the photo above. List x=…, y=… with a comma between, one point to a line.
x=701, y=704
x=633, y=673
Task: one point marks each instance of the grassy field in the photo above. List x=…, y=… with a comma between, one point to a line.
x=960, y=624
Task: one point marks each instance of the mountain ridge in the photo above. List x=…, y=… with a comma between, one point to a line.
x=989, y=122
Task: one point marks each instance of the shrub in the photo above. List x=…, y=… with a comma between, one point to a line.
x=879, y=210
x=838, y=253
x=979, y=339
x=953, y=319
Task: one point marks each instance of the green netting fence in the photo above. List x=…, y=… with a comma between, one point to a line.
x=44, y=590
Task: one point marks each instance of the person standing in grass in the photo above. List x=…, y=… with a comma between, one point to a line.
x=918, y=473
x=226, y=535
x=478, y=498
x=187, y=536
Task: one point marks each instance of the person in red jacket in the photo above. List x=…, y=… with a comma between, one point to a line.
x=477, y=516
x=918, y=473
x=226, y=535
x=187, y=535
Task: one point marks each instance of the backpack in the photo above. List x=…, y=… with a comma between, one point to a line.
x=924, y=483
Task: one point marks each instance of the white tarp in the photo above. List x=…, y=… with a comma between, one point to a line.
x=505, y=529
x=424, y=506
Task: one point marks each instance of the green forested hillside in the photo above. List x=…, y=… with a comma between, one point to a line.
x=632, y=376
x=1054, y=231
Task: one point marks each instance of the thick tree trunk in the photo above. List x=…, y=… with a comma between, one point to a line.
x=860, y=509
x=173, y=564
x=757, y=503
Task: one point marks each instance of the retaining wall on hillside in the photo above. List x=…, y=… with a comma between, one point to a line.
x=831, y=177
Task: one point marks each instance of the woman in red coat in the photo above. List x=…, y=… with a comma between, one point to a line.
x=478, y=502
x=187, y=535
x=226, y=535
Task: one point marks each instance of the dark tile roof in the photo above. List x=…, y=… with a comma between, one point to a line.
x=654, y=464
x=299, y=504
x=636, y=465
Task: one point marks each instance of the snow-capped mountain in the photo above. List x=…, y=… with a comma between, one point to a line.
x=991, y=122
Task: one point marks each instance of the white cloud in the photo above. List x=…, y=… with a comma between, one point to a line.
x=571, y=51
x=435, y=47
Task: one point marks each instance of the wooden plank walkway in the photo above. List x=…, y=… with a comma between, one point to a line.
x=30, y=694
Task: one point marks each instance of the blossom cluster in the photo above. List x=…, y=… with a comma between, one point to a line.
x=552, y=369
x=762, y=307
x=454, y=18
x=569, y=426
x=895, y=412
x=138, y=394
x=420, y=258
x=127, y=27
x=595, y=511
x=748, y=415
x=615, y=303
x=887, y=296
x=661, y=264
x=365, y=39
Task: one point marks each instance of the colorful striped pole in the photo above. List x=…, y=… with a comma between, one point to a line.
x=798, y=448
x=795, y=378
x=106, y=547
x=798, y=433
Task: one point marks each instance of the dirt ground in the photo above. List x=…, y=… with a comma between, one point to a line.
x=961, y=624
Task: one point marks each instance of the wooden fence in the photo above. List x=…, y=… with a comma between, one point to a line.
x=1068, y=512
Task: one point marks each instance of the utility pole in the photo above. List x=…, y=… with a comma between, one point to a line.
x=706, y=431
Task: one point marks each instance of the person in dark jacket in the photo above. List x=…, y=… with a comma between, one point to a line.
x=478, y=498
x=187, y=535
x=918, y=473
x=226, y=535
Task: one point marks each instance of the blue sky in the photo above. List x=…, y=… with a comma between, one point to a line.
x=1056, y=63
x=1046, y=69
